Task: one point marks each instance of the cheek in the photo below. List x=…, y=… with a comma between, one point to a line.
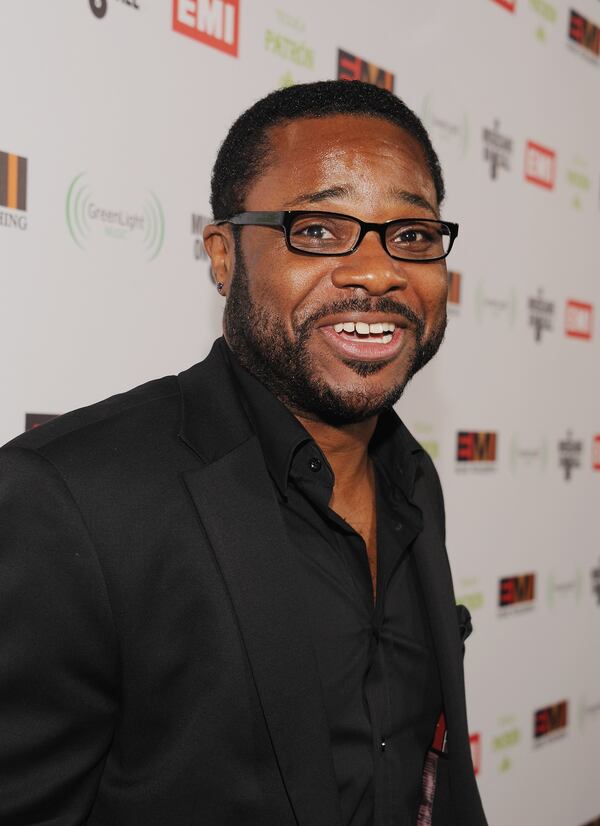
x=433, y=292
x=281, y=282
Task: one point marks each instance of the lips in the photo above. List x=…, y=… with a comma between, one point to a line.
x=364, y=340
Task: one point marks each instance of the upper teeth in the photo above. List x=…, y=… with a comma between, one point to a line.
x=362, y=328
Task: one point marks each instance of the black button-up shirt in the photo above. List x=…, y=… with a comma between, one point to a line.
x=375, y=659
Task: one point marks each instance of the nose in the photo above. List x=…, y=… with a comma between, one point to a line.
x=370, y=268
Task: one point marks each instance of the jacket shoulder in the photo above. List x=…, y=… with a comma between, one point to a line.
x=149, y=401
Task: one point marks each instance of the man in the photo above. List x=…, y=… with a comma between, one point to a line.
x=225, y=597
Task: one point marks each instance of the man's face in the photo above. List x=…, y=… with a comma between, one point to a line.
x=283, y=307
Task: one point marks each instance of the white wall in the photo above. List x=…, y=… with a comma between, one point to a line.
x=137, y=110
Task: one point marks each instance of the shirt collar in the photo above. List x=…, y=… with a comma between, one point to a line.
x=279, y=432
x=281, y=435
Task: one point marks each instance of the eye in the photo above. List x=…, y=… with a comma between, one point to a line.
x=319, y=232
x=413, y=235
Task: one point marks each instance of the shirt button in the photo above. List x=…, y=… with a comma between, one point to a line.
x=315, y=464
x=383, y=745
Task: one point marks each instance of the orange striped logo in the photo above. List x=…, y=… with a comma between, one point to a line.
x=13, y=181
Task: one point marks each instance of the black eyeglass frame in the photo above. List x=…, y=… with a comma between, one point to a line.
x=284, y=220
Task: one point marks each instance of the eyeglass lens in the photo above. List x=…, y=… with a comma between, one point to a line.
x=328, y=234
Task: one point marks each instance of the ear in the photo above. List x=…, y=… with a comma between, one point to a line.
x=218, y=242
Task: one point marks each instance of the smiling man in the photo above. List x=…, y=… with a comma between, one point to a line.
x=225, y=595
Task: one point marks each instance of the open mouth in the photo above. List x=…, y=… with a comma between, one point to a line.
x=365, y=341
x=381, y=332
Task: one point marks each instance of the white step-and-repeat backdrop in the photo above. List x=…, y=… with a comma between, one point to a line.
x=111, y=112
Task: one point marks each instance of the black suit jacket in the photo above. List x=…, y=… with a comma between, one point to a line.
x=155, y=664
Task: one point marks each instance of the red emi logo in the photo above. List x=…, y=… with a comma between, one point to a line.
x=507, y=4
x=579, y=319
x=596, y=452
x=215, y=23
x=475, y=741
x=540, y=165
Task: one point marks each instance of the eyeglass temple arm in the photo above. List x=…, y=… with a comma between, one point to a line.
x=266, y=219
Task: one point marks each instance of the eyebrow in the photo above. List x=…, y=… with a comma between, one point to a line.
x=344, y=193
x=341, y=192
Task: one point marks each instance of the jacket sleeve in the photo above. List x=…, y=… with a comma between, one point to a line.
x=58, y=650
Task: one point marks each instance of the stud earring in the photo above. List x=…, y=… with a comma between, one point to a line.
x=220, y=285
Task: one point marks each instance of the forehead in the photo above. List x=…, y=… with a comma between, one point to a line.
x=367, y=157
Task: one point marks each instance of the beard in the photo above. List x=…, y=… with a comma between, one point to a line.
x=285, y=367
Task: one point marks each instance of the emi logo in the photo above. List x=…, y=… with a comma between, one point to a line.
x=351, y=67
x=579, y=318
x=507, y=4
x=550, y=720
x=516, y=590
x=596, y=453
x=215, y=23
x=584, y=33
x=474, y=446
x=540, y=165
x=33, y=420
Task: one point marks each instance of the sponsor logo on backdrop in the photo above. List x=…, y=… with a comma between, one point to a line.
x=596, y=582
x=214, y=23
x=475, y=743
x=33, y=420
x=579, y=319
x=490, y=305
x=584, y=36
x=579, y=181
x=447, y=123
x=351, y=67
x=96, y=216
x=198, y=224
x=541, y=312
x=525, y=457
x=476, y=450
x=290, y=46
x=507, y=4
x=596, y=452
x=100, y=7
x=516, y=593
x=497, y=150
x=13, y=191
x=469, y=593
x=504, y=743
x=424, y=432
x=587, y=713
x=564, y=589
x=454, y=287
x=540, y=165
x=569, y=454
x=550, y=722
x=547, y=12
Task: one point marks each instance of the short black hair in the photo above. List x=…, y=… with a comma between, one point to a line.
x=243, y=155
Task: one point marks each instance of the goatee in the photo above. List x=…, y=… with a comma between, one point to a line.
x=261, y=344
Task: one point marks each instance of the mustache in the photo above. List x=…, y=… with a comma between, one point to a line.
x=383, y=304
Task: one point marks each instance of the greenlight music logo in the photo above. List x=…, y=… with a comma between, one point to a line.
x=89, y=218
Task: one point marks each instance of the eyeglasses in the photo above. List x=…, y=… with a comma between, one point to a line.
x=330, y=233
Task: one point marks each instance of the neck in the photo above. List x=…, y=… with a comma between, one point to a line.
x=345, y=447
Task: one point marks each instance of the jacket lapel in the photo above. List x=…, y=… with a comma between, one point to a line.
x=237, y=507
x=434, y=571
